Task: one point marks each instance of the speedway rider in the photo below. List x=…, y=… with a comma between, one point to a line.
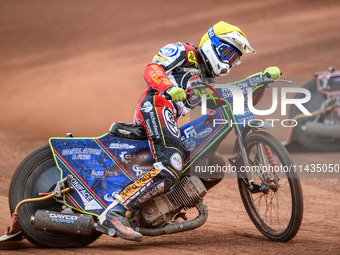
x=172, y=70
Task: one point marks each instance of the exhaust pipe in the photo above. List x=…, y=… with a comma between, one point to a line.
x=312, y=128
x=79, y=224
x=178, y=227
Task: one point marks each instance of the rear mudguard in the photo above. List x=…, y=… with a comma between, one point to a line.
x=99, y=167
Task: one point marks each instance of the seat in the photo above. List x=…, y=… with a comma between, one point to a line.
x=128, y=131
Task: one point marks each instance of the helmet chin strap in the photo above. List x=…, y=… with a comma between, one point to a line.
x=224, y=71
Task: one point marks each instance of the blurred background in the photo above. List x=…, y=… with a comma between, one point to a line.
x=76, y=66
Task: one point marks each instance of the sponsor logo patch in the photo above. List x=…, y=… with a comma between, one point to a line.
x=129, y=190
x=63, y=218
x=170, y=121
x=125, y=157
x=159, y=59
x=176, y=161
x=109, y=198
x=192, y=58
x=189, y=145
x=122, y=146
x=190, y=132
x=147, y=107
x=81, y=153
x=204, y=133
x=169, y=50
x=140, y=170
x=86, y=197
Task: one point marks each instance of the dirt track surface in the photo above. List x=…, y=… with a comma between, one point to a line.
x=76, y=66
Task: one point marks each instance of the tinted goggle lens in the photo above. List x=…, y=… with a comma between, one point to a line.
x=228, y=53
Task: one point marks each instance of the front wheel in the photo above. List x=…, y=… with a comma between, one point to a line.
x=275, y=204
x=39, y=173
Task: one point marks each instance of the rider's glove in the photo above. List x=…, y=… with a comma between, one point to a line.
x=176, y=94
x=272, y=72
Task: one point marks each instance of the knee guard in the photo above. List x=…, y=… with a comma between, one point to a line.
x=173, y=160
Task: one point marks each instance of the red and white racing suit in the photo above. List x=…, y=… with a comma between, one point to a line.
x=175, y=65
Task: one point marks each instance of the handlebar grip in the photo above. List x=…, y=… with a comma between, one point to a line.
x=269, y=76
x=168, y=97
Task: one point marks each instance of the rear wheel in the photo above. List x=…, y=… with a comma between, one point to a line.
x=39, y=173
x=277, y=209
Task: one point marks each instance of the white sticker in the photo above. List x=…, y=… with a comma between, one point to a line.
x=147, y=107
x=176, y=161
x=170, y=121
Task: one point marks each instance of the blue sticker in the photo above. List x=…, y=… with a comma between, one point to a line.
x=169, y=51
x=213, y=38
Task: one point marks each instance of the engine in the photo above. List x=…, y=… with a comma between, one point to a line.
x=185, y=194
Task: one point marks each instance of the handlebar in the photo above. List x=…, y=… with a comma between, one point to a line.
x=266, y=81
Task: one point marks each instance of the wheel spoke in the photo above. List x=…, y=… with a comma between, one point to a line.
x=272, y=208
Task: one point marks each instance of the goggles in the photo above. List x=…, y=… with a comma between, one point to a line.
x=228, y=53
x=225, y=51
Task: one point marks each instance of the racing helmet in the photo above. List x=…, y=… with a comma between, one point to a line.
x=223, y=45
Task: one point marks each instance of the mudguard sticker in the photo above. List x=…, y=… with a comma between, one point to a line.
x=99, y=167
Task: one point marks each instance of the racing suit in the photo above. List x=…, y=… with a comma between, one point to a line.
x=175, y=65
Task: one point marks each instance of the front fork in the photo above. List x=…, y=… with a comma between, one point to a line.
x=242, y=159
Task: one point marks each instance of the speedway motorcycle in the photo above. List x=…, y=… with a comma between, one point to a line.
x=321, y=130
x=61, y=190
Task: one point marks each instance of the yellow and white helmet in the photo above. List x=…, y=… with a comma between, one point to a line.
x=223, y=45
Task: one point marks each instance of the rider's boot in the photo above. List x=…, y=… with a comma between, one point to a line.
x=117, y=223
x=133, y=197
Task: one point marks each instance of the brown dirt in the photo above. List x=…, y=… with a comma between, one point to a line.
x=76, y=66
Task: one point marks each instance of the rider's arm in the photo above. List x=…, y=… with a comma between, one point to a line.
x=155, y=76
x=272, y=72
x=168, y=58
